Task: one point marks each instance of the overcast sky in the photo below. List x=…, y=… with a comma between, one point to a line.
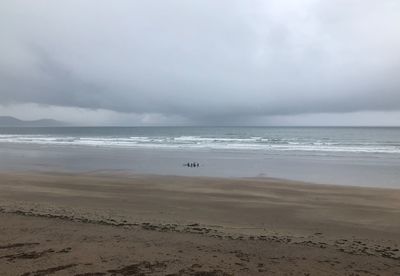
x=134, y=62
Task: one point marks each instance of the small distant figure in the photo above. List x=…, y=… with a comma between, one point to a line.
x=192, y=164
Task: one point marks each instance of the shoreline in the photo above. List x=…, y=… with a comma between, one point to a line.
x=330, y=170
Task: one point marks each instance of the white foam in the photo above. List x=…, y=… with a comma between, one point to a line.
x=197, y=142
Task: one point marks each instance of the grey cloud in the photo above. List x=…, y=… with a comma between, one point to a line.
x=209, y=61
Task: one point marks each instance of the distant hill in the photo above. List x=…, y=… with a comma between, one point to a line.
x=8, y=121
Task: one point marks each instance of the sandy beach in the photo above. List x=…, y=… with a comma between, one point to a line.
x=107, y=223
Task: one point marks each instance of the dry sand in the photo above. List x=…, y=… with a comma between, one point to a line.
x=115, y=224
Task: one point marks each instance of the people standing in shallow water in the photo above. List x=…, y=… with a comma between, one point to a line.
x=192, y=164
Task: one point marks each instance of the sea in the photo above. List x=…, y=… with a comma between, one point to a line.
x=357, y=156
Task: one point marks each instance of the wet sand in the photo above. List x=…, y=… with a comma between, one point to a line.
x=121, y=224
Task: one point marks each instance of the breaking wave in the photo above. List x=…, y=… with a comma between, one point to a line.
x=215, y=143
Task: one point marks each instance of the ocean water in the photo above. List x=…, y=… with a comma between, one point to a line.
x=362, y=156
x=312, y=140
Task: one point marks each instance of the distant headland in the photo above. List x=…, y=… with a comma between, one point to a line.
x=8, y=121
